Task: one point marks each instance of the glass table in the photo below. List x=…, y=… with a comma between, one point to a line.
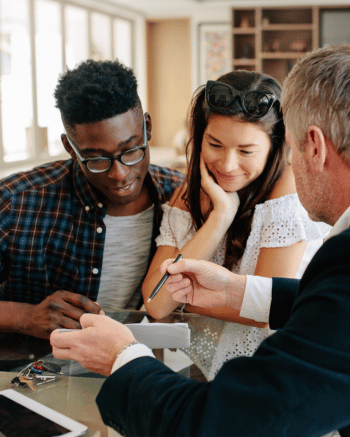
x=74, y=392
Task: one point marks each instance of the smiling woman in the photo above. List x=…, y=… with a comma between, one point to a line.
x=235, y=152
x=239, y=206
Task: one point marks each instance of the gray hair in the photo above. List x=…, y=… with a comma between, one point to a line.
x=317, y=92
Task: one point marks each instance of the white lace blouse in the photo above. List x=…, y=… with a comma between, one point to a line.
x=276, y=223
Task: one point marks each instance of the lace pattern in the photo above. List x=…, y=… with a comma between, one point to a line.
x=276, y=223
x=280, y=223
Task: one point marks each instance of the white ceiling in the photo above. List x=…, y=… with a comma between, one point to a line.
x=148, y=7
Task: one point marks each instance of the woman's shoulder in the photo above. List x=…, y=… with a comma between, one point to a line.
x=178, y=198
x=285, y=185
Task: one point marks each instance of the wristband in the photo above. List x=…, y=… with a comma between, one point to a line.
x=126, y=346
x=182, y=308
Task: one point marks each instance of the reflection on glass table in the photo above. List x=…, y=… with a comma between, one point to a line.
x=18, y=350
x=74, y=391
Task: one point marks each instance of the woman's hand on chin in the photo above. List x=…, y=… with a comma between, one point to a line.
x=223, y=202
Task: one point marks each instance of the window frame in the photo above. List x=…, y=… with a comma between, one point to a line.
x=37, y=156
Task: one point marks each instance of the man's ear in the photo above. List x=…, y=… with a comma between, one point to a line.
x=148, y=126
x=67, y=146
x=316, y=148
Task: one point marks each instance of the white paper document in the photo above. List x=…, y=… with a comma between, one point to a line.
x=161, y=335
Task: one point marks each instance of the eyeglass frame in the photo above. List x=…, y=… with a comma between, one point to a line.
x=85, y=161
x=241, y=94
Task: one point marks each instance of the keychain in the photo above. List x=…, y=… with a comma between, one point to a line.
x=33, y=374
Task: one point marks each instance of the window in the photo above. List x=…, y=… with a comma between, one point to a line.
x=122, y=38
x=77, y=47
x=39, y=39
x=16, y=93
x=101, y=37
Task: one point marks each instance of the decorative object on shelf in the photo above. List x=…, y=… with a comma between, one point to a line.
x=245, y=22
x=276, y=45
x=247, y=51
x=298, y=45
x=265, y=21
x=214, y=50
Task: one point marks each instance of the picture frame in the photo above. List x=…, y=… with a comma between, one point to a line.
x=214, y=50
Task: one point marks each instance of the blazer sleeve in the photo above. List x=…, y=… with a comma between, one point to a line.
x=284, y=293
x=296, y=384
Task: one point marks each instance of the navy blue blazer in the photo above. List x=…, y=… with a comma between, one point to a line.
x=296, y=384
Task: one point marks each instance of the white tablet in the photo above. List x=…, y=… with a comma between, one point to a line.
x=21, y=416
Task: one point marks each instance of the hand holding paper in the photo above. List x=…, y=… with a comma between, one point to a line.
x=101, y=338
x=95, y=346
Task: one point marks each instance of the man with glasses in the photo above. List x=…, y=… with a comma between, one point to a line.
x=77, y=235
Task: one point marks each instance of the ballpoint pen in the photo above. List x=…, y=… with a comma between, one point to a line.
x=162, y=281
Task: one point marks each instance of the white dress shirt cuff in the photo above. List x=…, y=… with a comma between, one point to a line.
x=257, y=299
x=129, y=354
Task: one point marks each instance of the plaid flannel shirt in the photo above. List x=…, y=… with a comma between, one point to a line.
x=52, y=230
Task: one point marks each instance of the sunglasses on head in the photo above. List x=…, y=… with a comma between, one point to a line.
x=255, y=103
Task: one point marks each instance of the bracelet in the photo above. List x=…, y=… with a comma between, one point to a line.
x=126, y=346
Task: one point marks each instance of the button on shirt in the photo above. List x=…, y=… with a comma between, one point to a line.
x=51, y=230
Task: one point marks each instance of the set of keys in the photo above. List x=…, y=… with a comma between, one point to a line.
x=34, y=374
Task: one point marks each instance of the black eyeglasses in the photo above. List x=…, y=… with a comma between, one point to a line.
x=103, y=163
x=255, y=103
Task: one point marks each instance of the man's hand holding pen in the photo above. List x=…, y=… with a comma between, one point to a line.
x=163, y=280
x=204, y=284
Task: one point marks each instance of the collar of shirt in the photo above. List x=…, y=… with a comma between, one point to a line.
x=87, y=194
x=342, y=223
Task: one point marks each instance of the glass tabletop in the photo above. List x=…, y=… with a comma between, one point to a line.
x=73, y=393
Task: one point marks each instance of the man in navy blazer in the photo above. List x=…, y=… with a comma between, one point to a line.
x=298, y=381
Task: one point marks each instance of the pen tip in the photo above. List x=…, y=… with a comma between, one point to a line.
x=149, y=300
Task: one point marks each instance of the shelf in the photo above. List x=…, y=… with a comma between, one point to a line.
x=272, y=39
x=244, y=30
x=286, y=27
x=242, y=62
x=282, y=55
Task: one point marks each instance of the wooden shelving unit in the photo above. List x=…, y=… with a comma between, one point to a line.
x=272, y=39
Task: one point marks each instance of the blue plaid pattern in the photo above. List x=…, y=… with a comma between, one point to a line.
x=48, y=222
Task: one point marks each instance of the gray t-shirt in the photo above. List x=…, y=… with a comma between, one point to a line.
x=125, y=259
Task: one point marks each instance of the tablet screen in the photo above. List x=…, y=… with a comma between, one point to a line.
x=17, y=421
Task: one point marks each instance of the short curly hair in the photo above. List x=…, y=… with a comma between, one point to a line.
x=95, y=91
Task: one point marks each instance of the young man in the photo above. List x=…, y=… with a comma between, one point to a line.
x=298, y=381
x=79, y=231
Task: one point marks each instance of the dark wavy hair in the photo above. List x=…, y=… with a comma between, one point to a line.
x=258, y=190
x=96, y=91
